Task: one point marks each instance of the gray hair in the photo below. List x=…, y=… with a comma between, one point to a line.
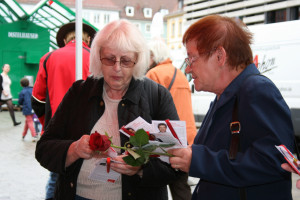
x=125, y=36
x=159, y=49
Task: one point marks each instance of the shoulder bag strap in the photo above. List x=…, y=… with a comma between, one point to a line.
x=235, y=128
x=173, y=79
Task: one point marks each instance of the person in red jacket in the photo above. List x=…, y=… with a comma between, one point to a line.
x=56, y=75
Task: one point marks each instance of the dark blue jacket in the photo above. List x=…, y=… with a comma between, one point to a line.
x=25, y=100
x=265, y=122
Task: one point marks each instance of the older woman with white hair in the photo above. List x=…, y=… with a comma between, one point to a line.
x=115, y=94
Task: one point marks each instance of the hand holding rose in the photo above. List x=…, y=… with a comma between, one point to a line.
x=101, y=143
x=122, y=167
x=79, y=149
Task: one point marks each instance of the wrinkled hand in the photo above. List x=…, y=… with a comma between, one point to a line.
x=82, y=147
x=123, y=168
x=79, y=149
x=287, y=167
x=182, y=158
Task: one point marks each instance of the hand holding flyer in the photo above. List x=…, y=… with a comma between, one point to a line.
x=160, y=133
x=293, y=162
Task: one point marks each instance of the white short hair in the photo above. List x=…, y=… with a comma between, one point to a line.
x=125, y=36
x=159, y=50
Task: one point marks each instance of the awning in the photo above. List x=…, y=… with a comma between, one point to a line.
x=50, y=14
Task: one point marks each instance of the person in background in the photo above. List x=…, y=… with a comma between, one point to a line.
x=6, y=97
x=25, y=101
x=234, y=152
x=162, y=71
x=115, y=94
x=165, y=73
x=37, y=124
x=56, y=75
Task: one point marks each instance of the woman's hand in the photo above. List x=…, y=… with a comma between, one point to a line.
x=182, y=158
x=79, y=149
x=287, y=167
x=122, y=167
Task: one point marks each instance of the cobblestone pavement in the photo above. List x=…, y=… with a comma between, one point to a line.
x=21, y=176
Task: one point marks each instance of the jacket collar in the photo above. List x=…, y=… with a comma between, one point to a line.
x=167, y=61
x=236, y=84
x=133, y=93
x=73, y=43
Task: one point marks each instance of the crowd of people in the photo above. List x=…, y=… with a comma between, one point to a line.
x=233, y=153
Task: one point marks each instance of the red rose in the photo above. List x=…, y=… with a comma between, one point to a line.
x=99, y=142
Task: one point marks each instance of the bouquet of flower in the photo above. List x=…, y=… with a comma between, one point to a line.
x=138, y=147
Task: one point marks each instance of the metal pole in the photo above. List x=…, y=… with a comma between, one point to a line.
x=78, y=28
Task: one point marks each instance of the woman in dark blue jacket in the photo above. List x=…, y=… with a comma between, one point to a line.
x=115, y=94
x=234, y=152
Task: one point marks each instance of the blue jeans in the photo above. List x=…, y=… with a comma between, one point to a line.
x=50, y=187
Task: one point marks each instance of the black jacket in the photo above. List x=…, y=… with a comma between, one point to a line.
x=80, y=109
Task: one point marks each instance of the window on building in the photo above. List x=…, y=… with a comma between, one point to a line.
x=106, y=18
x=147, y=28
x=276, y=16
x=138, y=25
x=180, y=28
x=173, y=30
x=180, y=4
x=147, y=12
x=129, y=11
x=96, y=18
x=294, y=13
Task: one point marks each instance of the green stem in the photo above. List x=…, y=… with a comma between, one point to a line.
x=158, y=153
x=118, y=147
x=152, y=153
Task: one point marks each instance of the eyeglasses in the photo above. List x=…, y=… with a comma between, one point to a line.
x=124, y=62
x=189, y=61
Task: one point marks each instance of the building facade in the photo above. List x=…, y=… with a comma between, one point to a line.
x=175, y=31
x=249, y=11
x=139, y=12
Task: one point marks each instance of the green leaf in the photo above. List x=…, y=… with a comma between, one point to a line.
x=134, y=162
x=140, y=138
x=149, y=147
x=134, y=155
x=166, y=145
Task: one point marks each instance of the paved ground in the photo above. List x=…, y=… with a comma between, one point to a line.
x=21, y=176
